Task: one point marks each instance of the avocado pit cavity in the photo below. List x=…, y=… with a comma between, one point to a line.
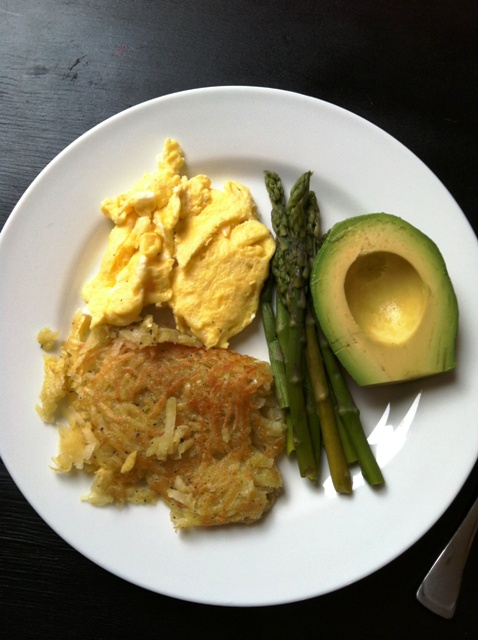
x=386, y=296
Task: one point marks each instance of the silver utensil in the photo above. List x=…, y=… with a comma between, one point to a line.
x=440, y=588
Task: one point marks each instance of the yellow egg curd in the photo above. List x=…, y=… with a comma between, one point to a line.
x=179, y=243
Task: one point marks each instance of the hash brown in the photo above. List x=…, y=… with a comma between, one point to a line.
x=153, y=415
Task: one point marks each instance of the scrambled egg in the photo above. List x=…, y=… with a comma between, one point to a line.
x=180, y=243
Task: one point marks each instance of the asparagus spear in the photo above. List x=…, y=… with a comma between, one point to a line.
x=279, y=224
x=339, y=470
x=290, y=268
x=347, y=445
x=276, y=356
x=328, y=416
x=298, y=271
x=282, y=328
x=313, y=417
x=279, y=333
x=350, y=416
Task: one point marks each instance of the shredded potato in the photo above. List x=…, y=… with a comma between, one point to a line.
x=154, y=415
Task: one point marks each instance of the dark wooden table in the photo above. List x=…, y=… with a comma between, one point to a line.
x=410, y=67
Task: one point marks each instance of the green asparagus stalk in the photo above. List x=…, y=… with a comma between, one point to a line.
x=276, y=356
x=329, y=418
x=298, y=277
x=282, y=329
x=312, y=228
x=289, y=266
x=282, y=324
x=350, y=416
x=339, y=470
x=280, y=225
x=313, y=417
x=347, y=445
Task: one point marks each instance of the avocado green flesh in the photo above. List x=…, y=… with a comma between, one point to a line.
x=384, y=300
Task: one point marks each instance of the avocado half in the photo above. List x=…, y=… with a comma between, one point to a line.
x=384, y=300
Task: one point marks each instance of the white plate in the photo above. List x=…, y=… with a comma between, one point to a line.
x=313, y=541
